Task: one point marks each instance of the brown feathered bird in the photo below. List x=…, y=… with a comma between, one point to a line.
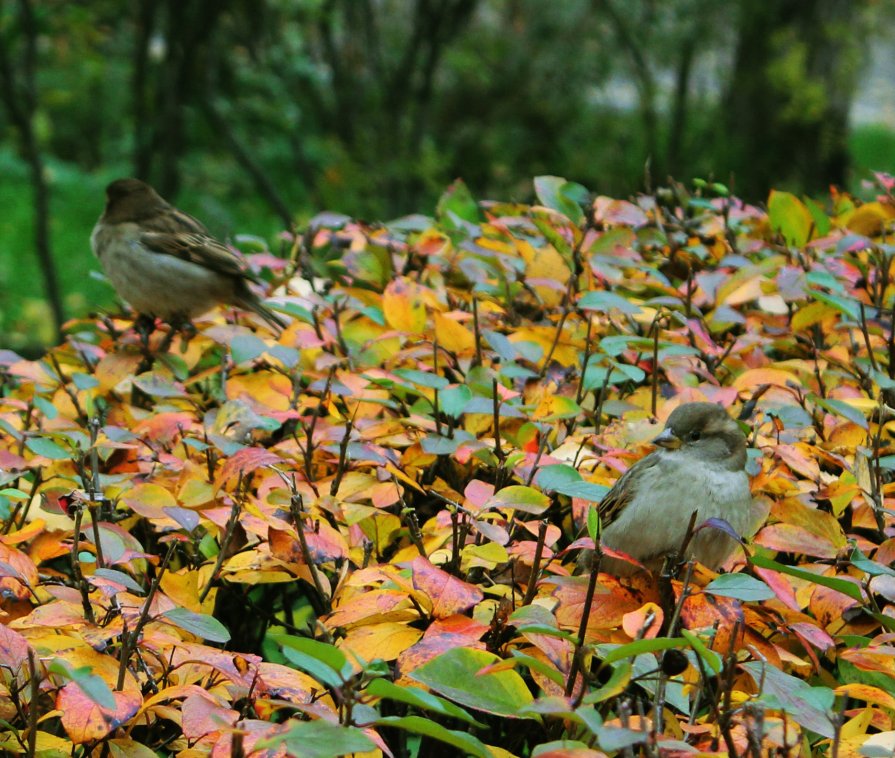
x=699, y=466
x=164, y=262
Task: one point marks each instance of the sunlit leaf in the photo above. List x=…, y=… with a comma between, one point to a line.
x=455, y=674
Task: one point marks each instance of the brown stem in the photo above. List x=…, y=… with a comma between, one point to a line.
x=296, y=506
x=129, y=640
x=33, y=711
x=536, y=565
x=229, y=530
x=595, y=559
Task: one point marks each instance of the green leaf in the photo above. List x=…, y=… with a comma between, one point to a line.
x=245, y=348
x=419, y=699
x=641, y=646
x=156, y=385
x=602, y=301
x=435, y=445
x=862, y=562
x=789, y=216
x=594, y=523
x=547, y=631
x=47, y=448
x=119, y=577
x=201, y=624
x=841, y=408
x=845, y=305
x=455, y=674
x=711, y=658
x=822, y=223
x=418, y=725
x=320, y=739
x=520, y=498
x=457, y=203
x=621, y=677
x=542, y=667
x=422, y=378
x=616, y=344
x=324, y=662
x=84, y=381
x=840, y=585
x=454, y=400
x=562, y=478
x=615, y=738
x=739, y=586
x=562, y=196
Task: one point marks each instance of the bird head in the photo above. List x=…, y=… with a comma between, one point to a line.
x=131, y=199
x=706, y=431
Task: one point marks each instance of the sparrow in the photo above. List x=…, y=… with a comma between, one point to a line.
x=164, y=262
x=699, y=466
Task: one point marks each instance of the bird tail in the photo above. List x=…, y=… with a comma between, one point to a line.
x=252, y=303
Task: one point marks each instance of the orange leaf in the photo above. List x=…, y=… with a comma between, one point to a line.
x=203, y=715
x=85, y=721
x=441, y=636
x=703, y=611
x=644, y=623
x=18, y=574
x=448, y=594
x=246, y=460
x=755, y=377
x=371, y=607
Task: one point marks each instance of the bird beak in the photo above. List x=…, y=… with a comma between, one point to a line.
x=667, y=439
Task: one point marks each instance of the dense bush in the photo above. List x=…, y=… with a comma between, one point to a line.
x=361, y=534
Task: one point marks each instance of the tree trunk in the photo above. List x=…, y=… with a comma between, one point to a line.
x=18, y=90
x=786, y=107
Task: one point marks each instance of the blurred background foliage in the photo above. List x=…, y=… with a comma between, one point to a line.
x=257, y=114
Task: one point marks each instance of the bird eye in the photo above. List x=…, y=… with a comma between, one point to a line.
x=694, y=436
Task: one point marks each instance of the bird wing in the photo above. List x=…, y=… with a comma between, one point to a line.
x=620, y=495
x=197, y=248
x=172, y=220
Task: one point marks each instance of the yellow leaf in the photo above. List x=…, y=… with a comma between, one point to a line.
x=545, y=263
x=858, y=725
x=386, y=641
x=812, y=314
x=757, y=376
x=870, y=219
x=261, y=390
x=452, y=335
x=403, y=307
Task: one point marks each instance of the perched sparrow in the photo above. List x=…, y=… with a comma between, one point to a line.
x=164, y=262
x=699, y=466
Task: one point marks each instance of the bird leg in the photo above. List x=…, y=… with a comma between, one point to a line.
x=179, y=325
x=144, y=326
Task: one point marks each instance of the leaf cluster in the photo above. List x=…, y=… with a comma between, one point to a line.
x=361, y=535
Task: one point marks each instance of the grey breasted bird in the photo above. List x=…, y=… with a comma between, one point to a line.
x=164, y=262
x=700, y=465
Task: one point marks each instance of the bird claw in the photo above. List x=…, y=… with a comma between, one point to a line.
x=144, y=326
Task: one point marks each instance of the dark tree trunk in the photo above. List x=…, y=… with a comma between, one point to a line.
x=786, y=107
x=18, y=90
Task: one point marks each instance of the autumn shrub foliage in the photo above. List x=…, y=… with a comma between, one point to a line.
x=362, y=535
